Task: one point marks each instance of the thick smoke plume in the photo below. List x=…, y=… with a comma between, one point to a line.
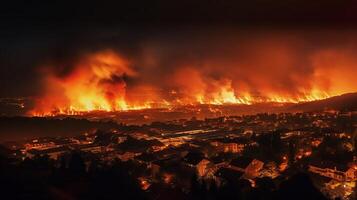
x=210, y=67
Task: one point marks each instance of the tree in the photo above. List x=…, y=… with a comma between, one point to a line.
x=76, y=164
x=299, y=186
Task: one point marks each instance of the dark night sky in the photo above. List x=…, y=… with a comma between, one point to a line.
x=33, y=33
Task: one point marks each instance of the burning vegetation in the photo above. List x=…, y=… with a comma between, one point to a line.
x=109, y=81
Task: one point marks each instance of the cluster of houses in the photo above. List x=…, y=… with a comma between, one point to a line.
x=179, y=162
x=340, y=181
x=348, y=175
x=212, y=149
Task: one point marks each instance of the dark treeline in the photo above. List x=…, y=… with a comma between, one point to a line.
x=71, y=177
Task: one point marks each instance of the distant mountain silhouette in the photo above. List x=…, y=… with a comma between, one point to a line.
x=18, y=128
x=345, y=102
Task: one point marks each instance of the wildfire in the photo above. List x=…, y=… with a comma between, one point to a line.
x=96, y=83
x=103, y=82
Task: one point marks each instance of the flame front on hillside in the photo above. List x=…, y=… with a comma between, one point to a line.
x=102, y=81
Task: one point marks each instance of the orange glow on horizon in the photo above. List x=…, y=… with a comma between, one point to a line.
x=99, y=83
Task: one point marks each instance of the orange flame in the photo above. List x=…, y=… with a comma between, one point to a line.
x=98, y=82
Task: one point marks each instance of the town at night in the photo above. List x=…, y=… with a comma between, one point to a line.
x=178, y=100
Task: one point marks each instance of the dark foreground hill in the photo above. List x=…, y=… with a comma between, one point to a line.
x=345, y=102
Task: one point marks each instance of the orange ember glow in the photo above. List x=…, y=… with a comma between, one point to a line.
x=103, y=81
x=96, y=83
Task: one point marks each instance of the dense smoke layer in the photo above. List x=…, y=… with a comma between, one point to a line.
x=133, y=71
